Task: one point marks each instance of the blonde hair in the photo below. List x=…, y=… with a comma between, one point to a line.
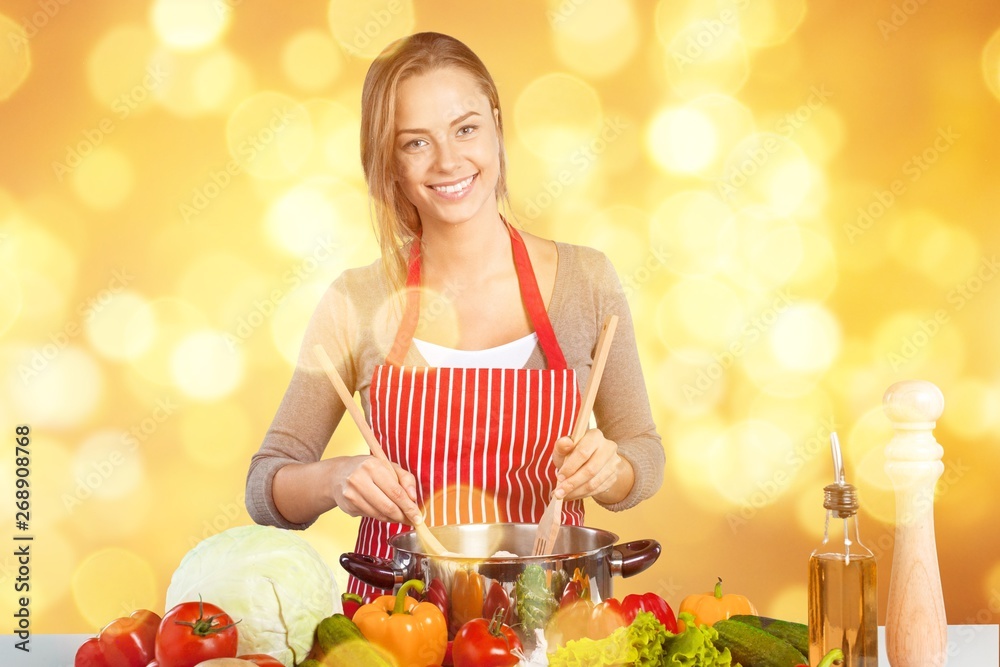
x=395, y=218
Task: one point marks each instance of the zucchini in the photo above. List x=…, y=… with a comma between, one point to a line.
x=753, y=647
x=796, y=634
x=339, y=641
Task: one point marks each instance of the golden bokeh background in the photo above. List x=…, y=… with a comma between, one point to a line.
x=800, y=199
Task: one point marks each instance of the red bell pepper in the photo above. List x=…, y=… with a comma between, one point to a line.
x=578, y=588
x=498, y=598
x=437, y=596
x=651, y=602
x=351, y=603
x=124, y=642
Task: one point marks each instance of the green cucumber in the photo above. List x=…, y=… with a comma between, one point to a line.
x=339, y=639
x=753, y=647
x=796, y=634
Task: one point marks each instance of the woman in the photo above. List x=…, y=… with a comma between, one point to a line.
x=472, y=392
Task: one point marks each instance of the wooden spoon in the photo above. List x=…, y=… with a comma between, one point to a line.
x=551, y=521
x=431, y=543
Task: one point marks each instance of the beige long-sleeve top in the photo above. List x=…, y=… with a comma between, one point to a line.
x=356, y=321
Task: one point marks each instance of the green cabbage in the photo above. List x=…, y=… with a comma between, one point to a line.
x=270, y=580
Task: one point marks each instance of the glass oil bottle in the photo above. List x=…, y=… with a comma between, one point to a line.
x=843, y=593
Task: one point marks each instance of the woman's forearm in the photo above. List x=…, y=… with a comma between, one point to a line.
x=303, y=491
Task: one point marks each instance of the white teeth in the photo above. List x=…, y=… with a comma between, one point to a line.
x=458, y=187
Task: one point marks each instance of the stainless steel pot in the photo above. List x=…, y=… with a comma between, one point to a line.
x=591, y=551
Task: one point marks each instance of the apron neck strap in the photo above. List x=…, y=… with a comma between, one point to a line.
x=530, y=294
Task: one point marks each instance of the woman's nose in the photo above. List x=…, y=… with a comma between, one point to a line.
x=447, y=157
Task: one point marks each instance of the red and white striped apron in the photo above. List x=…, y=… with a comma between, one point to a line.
x=478, y=440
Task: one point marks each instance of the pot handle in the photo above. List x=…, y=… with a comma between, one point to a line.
x=374, y=571
x=633, y=557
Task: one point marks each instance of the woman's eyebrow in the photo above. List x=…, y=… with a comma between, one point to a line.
x=420, y=130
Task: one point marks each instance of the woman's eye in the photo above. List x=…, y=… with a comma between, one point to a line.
x=468, y=129
x=416, y=143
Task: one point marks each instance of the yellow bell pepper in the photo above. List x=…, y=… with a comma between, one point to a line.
x=711, y=607
x=414, y=633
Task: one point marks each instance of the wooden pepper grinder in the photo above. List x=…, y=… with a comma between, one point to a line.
x=916, y=628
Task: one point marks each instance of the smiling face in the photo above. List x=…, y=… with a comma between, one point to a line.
x=447, y=149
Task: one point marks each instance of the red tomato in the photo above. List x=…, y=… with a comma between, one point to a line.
x=483, y=643
x=606, y=617
x=262, y=659
x=195, y=631
x=124, y=642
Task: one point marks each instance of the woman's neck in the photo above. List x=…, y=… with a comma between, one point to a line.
x=466, y=252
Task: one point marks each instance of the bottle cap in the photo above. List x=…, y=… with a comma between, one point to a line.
x=841, y=498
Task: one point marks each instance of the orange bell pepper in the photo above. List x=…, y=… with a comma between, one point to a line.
x=466, y=598
x=711, y=607
x=414, y=633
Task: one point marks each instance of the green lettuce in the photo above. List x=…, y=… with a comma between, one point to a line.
x=646, y=643
x=648, y=636
x=694, y=647
x=614, y=650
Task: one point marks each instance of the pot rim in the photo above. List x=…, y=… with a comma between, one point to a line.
x=610, y=537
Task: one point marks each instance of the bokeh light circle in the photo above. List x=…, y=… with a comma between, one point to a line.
x=806, y=338
x=770, y=249
x=124, y=329
x=765, y=23
x=270, y=135
x=10, y=306
x=318, y=219
x=695, y=230
x=189, y=25
x=337, y=132
x=918, y=344
x=212, y=81
x=121, y=72
x=15, y=56
x=112, y=580
x=311, y=60
x=751, y=464
x=973, y=408
x=108, y=465
x=557, y=114
x=700, y=312
x=689, y=383
x=56, y=384
x=104, y=179
x=292, y=316
x=682, y=140
x=693, y=452
x=595, y=38
x=170, y=320
x=706, y=56
x=206, y=365
x=767, y=169
x=991, y=64
x=364, y=27
x=923, y=242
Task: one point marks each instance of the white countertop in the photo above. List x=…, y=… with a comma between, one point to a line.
x=968, y=646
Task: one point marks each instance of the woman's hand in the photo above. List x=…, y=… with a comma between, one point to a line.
x=591, y=468
x=364, y=486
